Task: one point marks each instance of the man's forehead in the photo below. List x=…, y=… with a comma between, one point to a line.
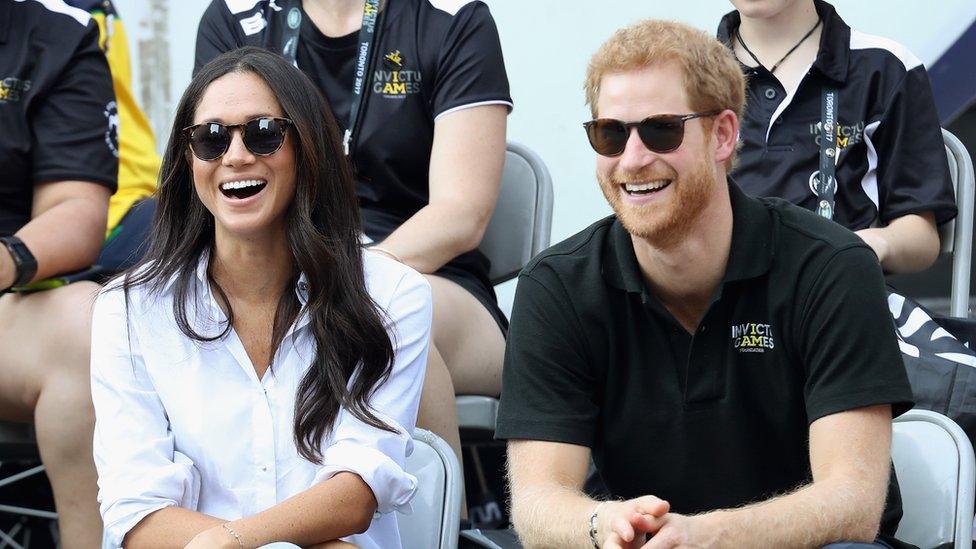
x=653, y=87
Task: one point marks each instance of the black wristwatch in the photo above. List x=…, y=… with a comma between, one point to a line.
x=23, y=260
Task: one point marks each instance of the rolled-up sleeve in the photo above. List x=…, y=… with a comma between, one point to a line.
x=376, y=455
x=138, y=470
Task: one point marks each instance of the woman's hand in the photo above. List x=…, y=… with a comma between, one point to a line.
x=216, y=537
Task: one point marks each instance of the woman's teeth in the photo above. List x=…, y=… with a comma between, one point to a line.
x=241, y=184
x=245, y=188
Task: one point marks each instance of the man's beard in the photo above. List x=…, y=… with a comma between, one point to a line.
x=666, y=222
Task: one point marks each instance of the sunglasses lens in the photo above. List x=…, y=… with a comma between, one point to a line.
x=661, y=134
x=608, y=137
x=209, y=141
x=264, y=136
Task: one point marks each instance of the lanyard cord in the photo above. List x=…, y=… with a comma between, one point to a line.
x=369, y=36
x=777, y=64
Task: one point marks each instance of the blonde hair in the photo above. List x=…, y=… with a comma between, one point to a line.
x=712, y=77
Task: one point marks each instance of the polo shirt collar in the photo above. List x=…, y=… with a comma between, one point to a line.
x=750, y=255
x=834, y=55
x=5, y=17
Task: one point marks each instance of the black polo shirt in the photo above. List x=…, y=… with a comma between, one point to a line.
x=798, y=329
x=58, y=118
x=892, y=161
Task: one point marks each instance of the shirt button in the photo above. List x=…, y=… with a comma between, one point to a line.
x=770, y=93
x=702, y=329
x=778, y=121
x=264, y=468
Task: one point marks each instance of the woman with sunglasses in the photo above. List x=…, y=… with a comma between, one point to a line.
x=256, y=377
x=426, y=135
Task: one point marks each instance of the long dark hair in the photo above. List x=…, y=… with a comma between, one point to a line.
x=323, y=229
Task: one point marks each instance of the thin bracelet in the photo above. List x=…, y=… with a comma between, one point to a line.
x=387, y=253
x=593, y=532
x=233, y=533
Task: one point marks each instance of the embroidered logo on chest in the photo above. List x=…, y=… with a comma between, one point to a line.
x=395, y=80
x=752, y=337
x=847, y=135
x=11, y=89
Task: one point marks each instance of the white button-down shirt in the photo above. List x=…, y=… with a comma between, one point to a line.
x=187, y=423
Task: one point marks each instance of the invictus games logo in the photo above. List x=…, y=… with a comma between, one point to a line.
x=12, y=89
x=394, y=81
x=112, y=132
x=393, y=60
x=847, y=136
x=752, y=337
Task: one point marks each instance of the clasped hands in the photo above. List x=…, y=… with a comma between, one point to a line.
x=625, y=524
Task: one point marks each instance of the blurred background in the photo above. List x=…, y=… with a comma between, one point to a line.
x=547, y=44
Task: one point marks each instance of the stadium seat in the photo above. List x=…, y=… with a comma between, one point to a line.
x=936, y=472
x=957, y=235
x=518, y=230
x=436, y=512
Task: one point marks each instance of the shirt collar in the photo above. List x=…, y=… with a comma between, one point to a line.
x=750, y=255
x=301, y=286
x=834, y=54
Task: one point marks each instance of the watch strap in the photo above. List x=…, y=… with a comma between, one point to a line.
x=24, y=260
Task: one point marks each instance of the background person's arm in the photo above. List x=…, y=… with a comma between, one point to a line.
x=65, y=231
x=465, y=174
x=850, y=457
x=908, y=244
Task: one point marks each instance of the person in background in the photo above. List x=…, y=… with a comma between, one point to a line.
x=426, y=137
x=56, y=156
x=719, y=355
x=891, y=184
x=256, y=377
x=131, y=208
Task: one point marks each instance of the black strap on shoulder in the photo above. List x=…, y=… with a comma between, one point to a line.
x=369, y=38
x=826, y=185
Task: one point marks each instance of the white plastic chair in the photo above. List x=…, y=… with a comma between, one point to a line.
x=519, y=229
x=936, y=473
x=957, y=235
x=437, y=504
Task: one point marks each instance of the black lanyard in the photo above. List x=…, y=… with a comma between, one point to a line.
x=369, y=36
x=827, y=184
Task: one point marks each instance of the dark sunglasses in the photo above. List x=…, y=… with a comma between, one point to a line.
x=262, y=136
x=662, y=133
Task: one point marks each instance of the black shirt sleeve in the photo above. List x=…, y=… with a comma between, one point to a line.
x=471, y=68
x=215, y=35
x=75, y=125
x=913, y=172
x=548, y=384
x=847, y=339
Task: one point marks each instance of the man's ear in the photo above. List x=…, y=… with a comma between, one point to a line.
x=725, y=130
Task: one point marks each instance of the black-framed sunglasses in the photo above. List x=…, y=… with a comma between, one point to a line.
x=262, y=136
x=662, y=133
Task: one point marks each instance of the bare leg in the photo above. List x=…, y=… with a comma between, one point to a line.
x=44, y=374
x=467, y=338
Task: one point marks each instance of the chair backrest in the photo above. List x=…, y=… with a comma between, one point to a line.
x=957, y=235
x=521, y=224
x=437, y=503
x=936, y=473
